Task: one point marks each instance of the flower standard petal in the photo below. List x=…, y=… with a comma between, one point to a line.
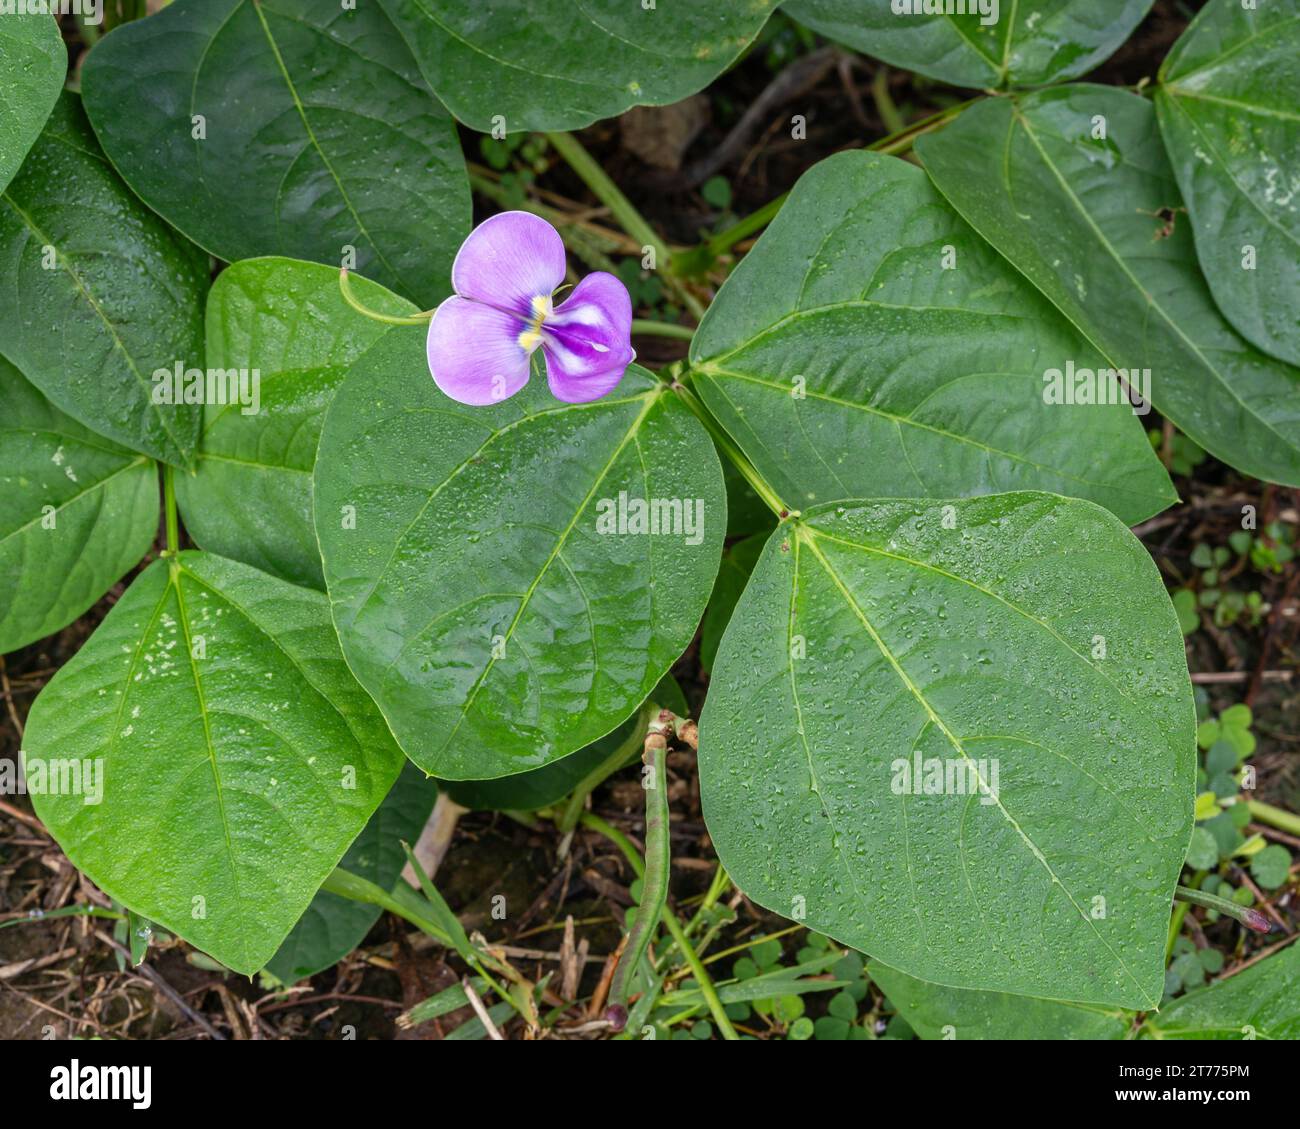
x=475, y=354
x=510, y=261
x=588, y=339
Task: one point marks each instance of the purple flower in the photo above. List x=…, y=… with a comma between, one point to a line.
x=482, y=339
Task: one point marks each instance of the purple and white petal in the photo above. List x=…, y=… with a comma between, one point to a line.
x=510, y=261
x=475, y=354
x=588, y=339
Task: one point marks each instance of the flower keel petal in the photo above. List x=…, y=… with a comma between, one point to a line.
x=588, y=339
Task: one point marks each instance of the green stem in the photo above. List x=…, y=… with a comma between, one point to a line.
x=654, y=882
x=1274, y=817
x=755, y=221
x=701, y=974
x=169, y=504
x=1250, y=918
x=345, y=288
x=885, y=105
x=901, y=140
x=724, y=441
x=1175, y=927
x=662, y=329
x=403, y=901
x=623, y=210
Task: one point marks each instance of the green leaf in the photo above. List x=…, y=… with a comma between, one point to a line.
x=936, y=1012
x=738, y=562
x=542, y=787
x=477, y=592
x=1095, y=224
x=236, y=755
x=848, y=362
x=320, y=136
x=250, y=498
x=1029, y=644
x=34, y=63
x=1229, y=110
x=333, y=926
x=76, y=512
x=1271, y=866
x=125, y=293
x=556, y=65
x=1029, y=44
x=1203, y=854
x=1260, y=1002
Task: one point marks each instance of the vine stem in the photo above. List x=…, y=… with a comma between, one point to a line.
x=701, y=974
x=1251, y=918
x=1274, y=817
x=662, y=329
x=623, y=210
x=169, y=504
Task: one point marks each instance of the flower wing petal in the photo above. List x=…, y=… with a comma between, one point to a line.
x=508, y=260
x=588, y=339
x=474, y=352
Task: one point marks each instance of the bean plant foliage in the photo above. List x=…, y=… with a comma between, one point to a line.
x=444, y=530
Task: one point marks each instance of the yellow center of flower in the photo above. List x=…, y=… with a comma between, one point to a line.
x=532, y=336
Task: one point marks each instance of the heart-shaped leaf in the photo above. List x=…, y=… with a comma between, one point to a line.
x=554, y=64
x=960, y=737
x=1260, y=1002
x=872, y=345
x=125, y=293
x=233, y=758
x=286, y=127
x=281, y=332
x=994, y=44
x=489, y=578
x=34, y=63
x=1073, y=187
x=935, y=1012
x=1229, y=110
x=76, y=511
x=333, y=925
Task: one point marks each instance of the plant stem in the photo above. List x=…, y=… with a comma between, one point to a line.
x=654, y=882
x=729, y=448
x=345, y=288
x=755, y=221
x=403, y=901
x=701, y=974
x=169, y=505
x=662, y=329
x=1251, y=918
x=901, y=140
x=1274, y=817
x=624, y=211
x=885, y=106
